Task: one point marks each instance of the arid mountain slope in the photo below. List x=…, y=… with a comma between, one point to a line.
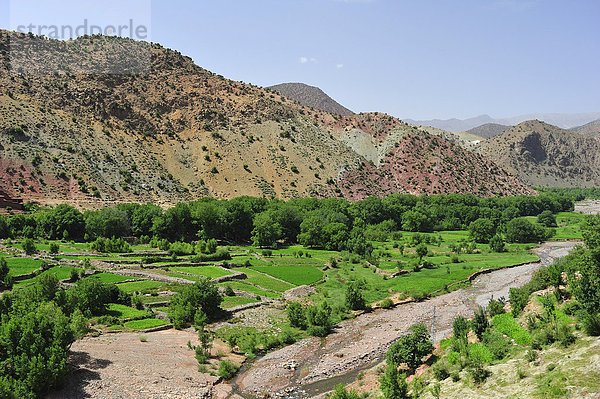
x=592, y=128
x=545, y=155
x=177, y=132
x=312, y=97
x=489, y=130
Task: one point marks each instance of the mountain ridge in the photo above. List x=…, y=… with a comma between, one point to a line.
x=311, y=96
x=561, y=120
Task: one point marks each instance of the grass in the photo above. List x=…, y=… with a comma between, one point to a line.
x=233, y=301
x=297, y=275
x=108, y=278
x=480, y=352
x=19, y=266
x=265, y=281
x=139, y=286
x=205, y=271
x=507, y=325
x=127, y=312
x=145, y=323
x=61, y=273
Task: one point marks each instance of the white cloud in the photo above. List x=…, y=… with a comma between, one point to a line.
x=306, y=60
x=339, y=66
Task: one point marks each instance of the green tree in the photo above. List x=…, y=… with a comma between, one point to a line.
x=411, y=348
x=393, y=384
x=340, y=392
x=522, y=230
x=547, y=219
x=266, y=232
x=482, y=230
x=354, y=296
x=203, y=295
x=421, y=251
x=497, y=244
x=296, y=315
x=29, y=246
x=480, y=322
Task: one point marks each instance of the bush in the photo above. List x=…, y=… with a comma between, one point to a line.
x=181, y=248
x=497, y=244
x=591, y=324
x=496, y=306
x=354, y=297
x=440, y=371
x=29, y=246
x=522, y=230
x=54, y=248
x=393, y=384
x=496, y=343
x=547, y=219
x=296, y=315
x=411, y=348
x=479, y=374
x=110, y=245
x=340, y=392
x=227, y=369
x=387, y=303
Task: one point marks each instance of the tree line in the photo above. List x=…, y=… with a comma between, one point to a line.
x=333, y=224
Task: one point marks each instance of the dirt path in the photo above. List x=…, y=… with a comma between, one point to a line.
x=361, y=342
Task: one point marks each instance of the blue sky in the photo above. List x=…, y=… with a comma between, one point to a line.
x=419, y=59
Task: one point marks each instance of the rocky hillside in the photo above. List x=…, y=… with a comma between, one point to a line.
x=592, y=128
x=83, y=134
x=489, y=130
x=312, y=97
x=545, y=155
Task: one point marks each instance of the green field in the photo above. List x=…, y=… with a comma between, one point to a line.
x=139, y=286
x=265, y=281
x=145, y=323
x=233, y=301
x=109, y=277
x=127, y=312
x=297, y=275
x=19, y=266
x=205, y=271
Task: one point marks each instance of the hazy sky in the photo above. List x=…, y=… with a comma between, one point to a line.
x=419, y=59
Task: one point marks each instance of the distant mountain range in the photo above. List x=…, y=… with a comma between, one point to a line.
x=591, y=128
x=311, y=96
x=565, y=121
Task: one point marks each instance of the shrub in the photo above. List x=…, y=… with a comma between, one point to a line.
x=440, y=371
x=296, y=315
x=393, y=384
x=480, y=323
x=29, y=246
x=411, y=348
x=354, y=297
x=496, y=343
x=591, y=324
x=340, y=392
x=496, y=306
x=227, y=369
x=54, y=248
x=387, y=303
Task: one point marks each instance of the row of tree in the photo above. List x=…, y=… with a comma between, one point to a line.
x=325, y=223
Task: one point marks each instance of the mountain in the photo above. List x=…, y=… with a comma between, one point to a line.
x=488, y=130
x=167, y=130
x=591, y=128
x=564, y=121
x=312, y=97
x=544, y=155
